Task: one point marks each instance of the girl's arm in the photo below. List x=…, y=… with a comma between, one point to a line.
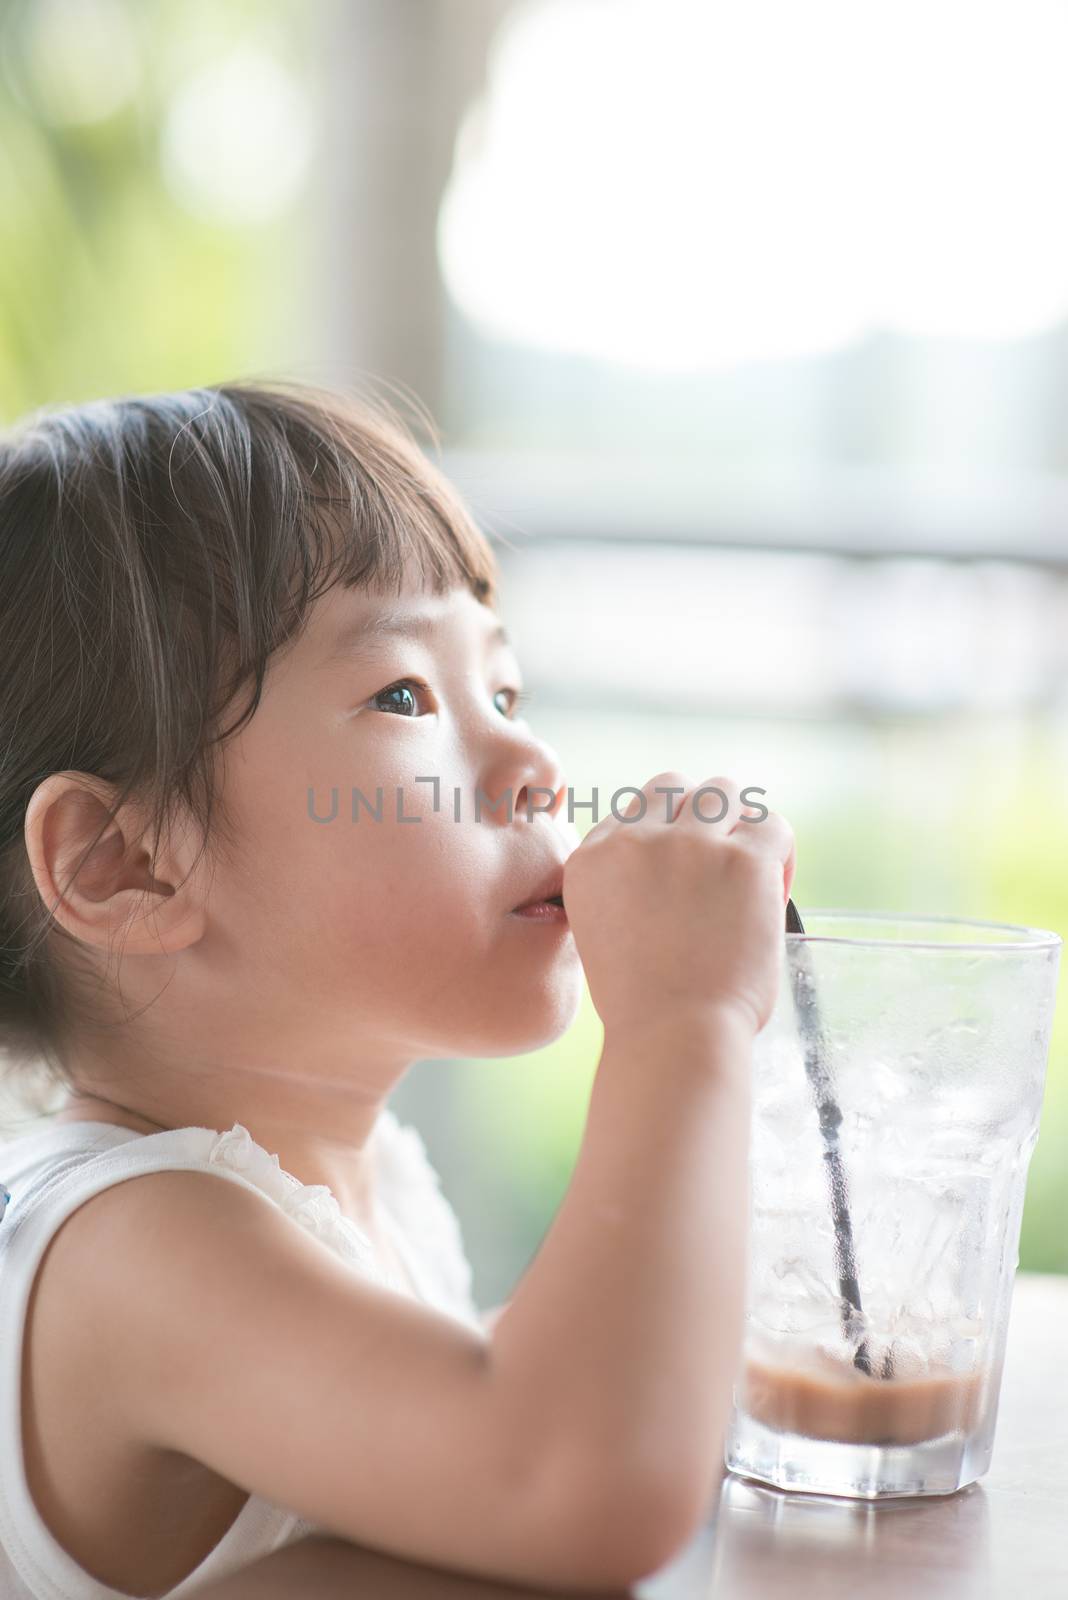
x=221, y=1331
x=579, y=1443
x=624, y=1333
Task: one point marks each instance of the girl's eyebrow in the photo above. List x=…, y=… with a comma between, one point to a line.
x=357, y=640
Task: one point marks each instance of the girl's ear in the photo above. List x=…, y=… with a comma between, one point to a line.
x=119, y=897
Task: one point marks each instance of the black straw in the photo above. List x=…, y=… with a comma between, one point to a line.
x=830, y=1118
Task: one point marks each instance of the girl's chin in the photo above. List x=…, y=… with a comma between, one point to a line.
x=533, y=1020
x=555, y=1018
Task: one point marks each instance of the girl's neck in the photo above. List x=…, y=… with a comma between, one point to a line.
x=83, y=1107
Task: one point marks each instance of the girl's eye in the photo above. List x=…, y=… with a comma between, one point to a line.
x=519, y=697
x=400, y=698
x=403, y=687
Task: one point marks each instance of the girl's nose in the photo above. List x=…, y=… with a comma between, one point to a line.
x=533, y=773
x=542, y=791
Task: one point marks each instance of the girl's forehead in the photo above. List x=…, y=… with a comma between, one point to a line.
x=347, y=623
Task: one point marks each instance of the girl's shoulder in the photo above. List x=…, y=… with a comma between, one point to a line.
x=68, y=1268
x=51, y=1170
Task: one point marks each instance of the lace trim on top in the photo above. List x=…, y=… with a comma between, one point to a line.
x=407, y=1182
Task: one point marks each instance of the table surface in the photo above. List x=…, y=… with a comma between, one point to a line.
x=1002, y=1538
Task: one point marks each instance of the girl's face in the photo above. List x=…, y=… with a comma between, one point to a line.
x=395, y=932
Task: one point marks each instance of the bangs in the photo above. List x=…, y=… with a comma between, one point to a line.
x=336, y=490
x=348, y=489
x=376, y=511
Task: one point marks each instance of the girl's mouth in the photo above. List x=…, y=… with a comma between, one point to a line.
x=551, y=910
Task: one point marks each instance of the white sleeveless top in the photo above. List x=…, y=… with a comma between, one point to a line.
x=45, y=1175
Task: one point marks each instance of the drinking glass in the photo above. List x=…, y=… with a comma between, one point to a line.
x=933, y=1033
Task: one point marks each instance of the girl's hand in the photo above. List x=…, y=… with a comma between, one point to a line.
x=671, y=912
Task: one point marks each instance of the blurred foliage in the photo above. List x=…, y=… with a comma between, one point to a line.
x=110, y=282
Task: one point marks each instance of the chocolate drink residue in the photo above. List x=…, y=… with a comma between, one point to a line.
x=832, y=1401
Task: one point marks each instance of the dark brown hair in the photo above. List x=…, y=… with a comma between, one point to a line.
x=155, y=551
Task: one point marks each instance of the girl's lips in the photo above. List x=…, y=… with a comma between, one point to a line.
x=551, y=887
x=542, y=911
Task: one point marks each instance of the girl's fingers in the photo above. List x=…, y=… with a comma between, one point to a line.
x=713, y=803
x=656, y=806
x=717, y=804
x=771, y=837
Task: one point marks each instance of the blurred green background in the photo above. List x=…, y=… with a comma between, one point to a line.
x=804, y=521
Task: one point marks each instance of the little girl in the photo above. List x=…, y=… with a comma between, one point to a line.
x=238, y=898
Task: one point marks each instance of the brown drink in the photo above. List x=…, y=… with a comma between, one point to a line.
x=826, y=1399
